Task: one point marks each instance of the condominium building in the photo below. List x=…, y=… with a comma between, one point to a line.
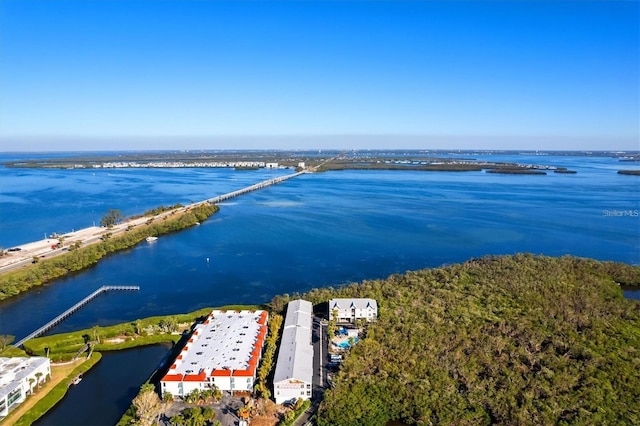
x=18, y=378
x=349, y=310
x=223, y=351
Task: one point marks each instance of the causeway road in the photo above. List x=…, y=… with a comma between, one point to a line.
x=19, y=256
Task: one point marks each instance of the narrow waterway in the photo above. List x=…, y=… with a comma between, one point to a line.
x=106, y=391
x=631, y=293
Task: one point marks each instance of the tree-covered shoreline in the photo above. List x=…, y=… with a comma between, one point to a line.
x=499, y=340
x=505, y=340
x=47, y=270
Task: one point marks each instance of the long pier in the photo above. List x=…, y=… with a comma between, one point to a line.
x=251, y=188
x=48, y=326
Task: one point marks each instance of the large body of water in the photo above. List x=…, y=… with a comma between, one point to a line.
x=315, y=230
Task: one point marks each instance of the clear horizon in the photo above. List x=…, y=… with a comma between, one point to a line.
x=140, y=75
x=315, y=142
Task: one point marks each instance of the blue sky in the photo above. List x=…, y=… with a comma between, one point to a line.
x=114, y=74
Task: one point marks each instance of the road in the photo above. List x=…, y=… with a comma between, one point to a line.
x=43, y=249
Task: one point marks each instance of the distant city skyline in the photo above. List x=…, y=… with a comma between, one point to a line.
x=142, y=74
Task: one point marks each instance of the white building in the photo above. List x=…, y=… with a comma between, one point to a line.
x=271, y=165
x=349, y=310
x=18, y=378
x=223, y=351
x=294, y=369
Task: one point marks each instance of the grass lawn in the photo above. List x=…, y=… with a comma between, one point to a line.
x=66, y=345
x=58, y=374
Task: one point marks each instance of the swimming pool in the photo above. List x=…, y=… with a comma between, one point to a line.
x=346, y=345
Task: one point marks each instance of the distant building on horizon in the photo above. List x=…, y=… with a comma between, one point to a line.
x=350, y=310
x=293, y=377
x=18, y=377
x=223, y=351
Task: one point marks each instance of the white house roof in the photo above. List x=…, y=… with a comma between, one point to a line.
x=353, y=303
x=295, y=359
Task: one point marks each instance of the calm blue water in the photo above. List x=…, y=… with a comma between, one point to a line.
x=39, y=202
x=92, y=401
x=314, y=230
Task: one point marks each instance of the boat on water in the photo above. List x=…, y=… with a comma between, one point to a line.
x=77, y=380
x=150, y=239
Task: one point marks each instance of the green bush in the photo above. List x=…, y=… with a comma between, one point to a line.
x=292, y=416
x=505, y=340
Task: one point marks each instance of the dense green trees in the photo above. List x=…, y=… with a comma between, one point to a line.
x=499, y=340
x=195, y=416
x=262, y=388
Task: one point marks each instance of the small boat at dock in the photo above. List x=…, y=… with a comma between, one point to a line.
x=151, y=239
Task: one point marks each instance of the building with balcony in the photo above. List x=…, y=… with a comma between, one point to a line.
x=19, y=376
x=350, y=310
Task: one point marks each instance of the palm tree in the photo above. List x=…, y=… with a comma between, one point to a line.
x=38, y=375
x=31, y=380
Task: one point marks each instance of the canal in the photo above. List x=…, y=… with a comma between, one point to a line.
x=106, y=391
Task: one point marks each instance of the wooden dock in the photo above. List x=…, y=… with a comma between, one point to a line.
x=73, y=309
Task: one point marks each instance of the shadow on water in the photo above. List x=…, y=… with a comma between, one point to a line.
x=106, y=391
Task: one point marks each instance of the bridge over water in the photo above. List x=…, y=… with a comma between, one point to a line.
x=260, y=185
x=254, y=187
x=48, y=326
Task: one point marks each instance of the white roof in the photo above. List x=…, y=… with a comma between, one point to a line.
x=353, y=303
x=225, y=342
x=14, y=370
x=297, y=319
x=295, y=359
x=300, y=305
x=299, y=314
